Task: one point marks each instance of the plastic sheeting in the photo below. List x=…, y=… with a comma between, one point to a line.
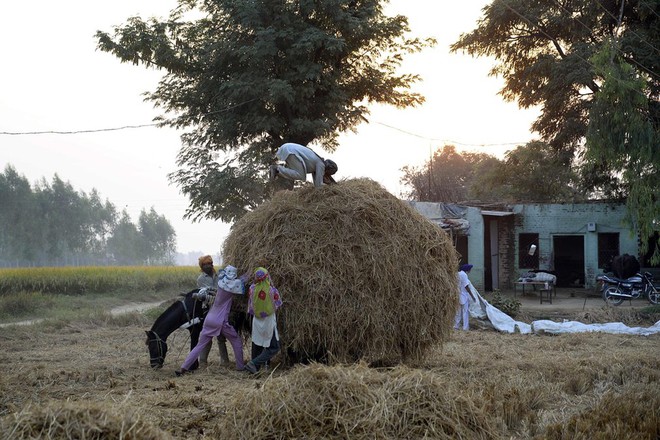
x=482, y=309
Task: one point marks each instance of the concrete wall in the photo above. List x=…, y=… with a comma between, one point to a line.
x=476, y=247
x=551, y=220
x=546, y=220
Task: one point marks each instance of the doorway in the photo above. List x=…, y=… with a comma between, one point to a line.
x=491, y=254
x=569, y=260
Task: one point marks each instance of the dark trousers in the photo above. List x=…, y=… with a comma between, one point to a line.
x=261, y=355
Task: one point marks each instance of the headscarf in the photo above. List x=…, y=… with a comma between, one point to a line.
x=262, y=302
x=230, y=282
x=206, y=259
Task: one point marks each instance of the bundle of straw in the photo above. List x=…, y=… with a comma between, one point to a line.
x=362, y=274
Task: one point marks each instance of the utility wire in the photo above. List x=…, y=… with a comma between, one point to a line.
x=448, y=141
x=125, y=127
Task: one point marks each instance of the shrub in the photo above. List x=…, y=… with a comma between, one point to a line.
x=23, y=304
x=508, y=305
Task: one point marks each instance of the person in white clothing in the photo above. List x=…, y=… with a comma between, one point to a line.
x=300, y=161
x=464, y=295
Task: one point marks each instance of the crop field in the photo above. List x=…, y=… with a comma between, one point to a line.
x=91, y=379
x=101, y=279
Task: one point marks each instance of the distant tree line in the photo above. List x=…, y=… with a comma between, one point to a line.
x=52, y=224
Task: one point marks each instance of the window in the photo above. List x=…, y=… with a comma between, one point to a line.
x=526, y=261
x=608, y=248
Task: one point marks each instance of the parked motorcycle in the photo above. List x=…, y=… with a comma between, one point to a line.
x=616, y=290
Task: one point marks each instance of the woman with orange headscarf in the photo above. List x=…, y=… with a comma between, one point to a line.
x=209, y=279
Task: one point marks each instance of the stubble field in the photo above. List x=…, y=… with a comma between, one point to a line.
x=91, y=380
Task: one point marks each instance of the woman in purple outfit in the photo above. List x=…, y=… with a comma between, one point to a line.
x=217, y=320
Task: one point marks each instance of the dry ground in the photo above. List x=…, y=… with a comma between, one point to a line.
x=59, y=379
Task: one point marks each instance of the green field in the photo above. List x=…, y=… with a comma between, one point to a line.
x=67, y=292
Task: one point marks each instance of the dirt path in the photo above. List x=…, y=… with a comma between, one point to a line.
x=119, y=310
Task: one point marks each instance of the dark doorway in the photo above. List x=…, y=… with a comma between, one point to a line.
x=491, y=253
x=569, y=260
x=461, y=244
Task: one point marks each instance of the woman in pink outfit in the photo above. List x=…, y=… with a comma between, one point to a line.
x=216, y=322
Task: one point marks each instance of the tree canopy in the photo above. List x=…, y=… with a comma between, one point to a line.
x=248, y=76
x=448, y=176
x=592, y=67
x=479, y=178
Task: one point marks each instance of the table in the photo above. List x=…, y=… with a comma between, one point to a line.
x=544, y=286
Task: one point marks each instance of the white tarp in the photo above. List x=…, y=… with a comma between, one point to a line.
x=482, y=309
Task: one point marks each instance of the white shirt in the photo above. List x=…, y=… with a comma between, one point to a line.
x=262, y=330
x=312, y=162
x=463, y=285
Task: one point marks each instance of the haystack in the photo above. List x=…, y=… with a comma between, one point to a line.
x=362, y=274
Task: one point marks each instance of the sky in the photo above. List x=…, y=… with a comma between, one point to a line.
x=54, y=79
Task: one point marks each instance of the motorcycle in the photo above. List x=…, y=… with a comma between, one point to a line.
x=616, y=290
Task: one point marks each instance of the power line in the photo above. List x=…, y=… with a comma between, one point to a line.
x=447, y=141
x=97, y=130
x=125, y=127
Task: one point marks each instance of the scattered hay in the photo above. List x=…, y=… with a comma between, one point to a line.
x=631, y=414
x=356, y=402
x=362, y=274
x=68, y=420
x=630, y=317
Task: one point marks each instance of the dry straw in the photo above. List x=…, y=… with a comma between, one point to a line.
x=355, y=402
x=69, y=421
x=362, y=274
x=629, y=415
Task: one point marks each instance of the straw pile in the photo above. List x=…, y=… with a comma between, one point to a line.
x=69, y=420
x=362, y=274
x=629, y=415
x=356, y=402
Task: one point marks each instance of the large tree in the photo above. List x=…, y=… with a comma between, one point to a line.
x=158, y=238
x=529, y=173
x=593, y=68
x=447, y=176
x=250, y=75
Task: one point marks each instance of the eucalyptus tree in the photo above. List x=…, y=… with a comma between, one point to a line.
x=242, y=77
x=18, y=216
x=157, y=237
x=592, y=66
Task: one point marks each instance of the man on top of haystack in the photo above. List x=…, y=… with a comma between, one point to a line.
x=300, y=161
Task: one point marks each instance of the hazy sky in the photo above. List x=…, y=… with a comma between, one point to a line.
x=54, y=79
